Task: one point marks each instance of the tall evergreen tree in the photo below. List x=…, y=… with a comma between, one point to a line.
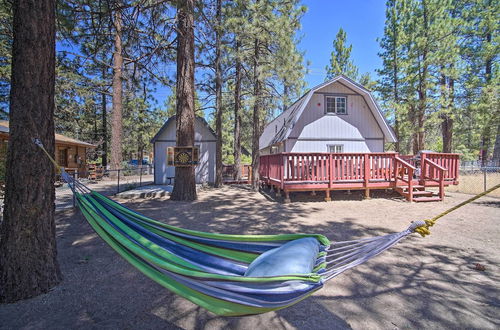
x=184, y=184
x=28, y=254
x=340, y=58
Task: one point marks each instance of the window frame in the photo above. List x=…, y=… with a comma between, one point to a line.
x=63, y=157
x=335, y=146
x=335, y=97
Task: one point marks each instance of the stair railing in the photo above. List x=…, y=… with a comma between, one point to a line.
x=404, y=171
x=434, y=172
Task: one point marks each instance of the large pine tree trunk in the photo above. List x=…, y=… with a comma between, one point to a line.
x=184, y=184
x=397, y=128
x=237, y=117
x=486, y=132
x=256, y=118
x=104, y=127
x=218, y=96
x=28, y=254
x=447, y=86
x=116, y=118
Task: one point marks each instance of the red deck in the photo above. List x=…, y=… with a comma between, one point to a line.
x=360, y=171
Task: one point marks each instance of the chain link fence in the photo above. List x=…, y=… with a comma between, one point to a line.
x=475, y=179
x=107, y=182
x=116, y=181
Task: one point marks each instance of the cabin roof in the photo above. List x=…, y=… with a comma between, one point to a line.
x=164, y=127
x=61, y=139
x=289, y=117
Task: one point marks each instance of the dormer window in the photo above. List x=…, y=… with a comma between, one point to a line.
x=336, y=104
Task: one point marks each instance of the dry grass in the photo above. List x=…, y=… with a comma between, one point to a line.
x=473, y=183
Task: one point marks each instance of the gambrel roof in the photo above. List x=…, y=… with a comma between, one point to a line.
x=286, y=120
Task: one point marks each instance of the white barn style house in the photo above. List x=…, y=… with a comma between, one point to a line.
x=205, y=139
x=338, y=115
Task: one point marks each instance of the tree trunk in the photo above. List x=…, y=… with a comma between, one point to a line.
x=486, y=133
x=184, y=184
x=218, y=96
x=237, y=117
x=256, y=118
x=447, y=87
x=28, y=254
x=104, y=130
x=116, y=118
x=397, y=145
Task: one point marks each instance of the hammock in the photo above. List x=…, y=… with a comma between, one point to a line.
x=209, y=269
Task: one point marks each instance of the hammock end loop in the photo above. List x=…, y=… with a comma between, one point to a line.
x=421, y=227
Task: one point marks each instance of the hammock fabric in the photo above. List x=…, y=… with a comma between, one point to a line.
x=207, y=268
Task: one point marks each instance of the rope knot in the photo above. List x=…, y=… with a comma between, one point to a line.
x=421, y=227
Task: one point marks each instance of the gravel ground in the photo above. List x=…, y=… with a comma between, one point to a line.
x=420, y=283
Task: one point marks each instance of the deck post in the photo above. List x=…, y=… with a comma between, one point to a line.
x=282, y=171
x=423, y=169
x=287, y=197
x=367, y=175
x=441, y=185
x=410, y=185
x=313, y=193
x=330, y=173
x=327, y=196
x=278, y=192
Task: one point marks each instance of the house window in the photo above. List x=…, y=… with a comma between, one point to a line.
x=336, y=148
x=63, y=157
x=336, y=104
x=274, y=150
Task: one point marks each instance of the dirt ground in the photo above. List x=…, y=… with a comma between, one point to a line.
x=420, y=283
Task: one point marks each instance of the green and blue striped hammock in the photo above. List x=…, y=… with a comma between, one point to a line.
x=209, y=269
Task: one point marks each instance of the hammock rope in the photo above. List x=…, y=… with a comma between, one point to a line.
x=209, y=269
x=424, y=229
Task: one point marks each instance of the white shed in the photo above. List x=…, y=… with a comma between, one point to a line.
x=338, y=115
x=205, y=139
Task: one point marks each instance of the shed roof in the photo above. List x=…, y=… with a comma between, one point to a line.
x=164, y=127
x=4, y=128
x=289, y=117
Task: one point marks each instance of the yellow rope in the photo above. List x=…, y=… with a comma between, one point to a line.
x=424, y=229
x=39, y=143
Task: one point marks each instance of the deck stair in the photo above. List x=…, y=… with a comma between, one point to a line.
x=419, y=194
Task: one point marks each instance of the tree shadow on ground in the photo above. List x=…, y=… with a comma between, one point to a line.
x=489, y=203
x=415, y=284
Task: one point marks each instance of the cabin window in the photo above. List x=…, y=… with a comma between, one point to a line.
x=63, y=157
x=336, y=148
x=336, y=104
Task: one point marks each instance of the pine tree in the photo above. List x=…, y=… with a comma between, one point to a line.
x=340, y=58
x=28, y=254
x=391, y=83
x=184, y=184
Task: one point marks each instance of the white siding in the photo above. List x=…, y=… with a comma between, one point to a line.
x=332, y=126
x=322, y=146
x=204, y=138
x=336, y=87
x=357, y=130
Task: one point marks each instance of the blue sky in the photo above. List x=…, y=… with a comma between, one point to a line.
x=363, y=20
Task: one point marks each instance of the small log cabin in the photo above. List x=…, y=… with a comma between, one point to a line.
x=70, y=153
x=333, y=138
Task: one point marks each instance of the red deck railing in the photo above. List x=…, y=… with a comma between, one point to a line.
x=360, y=170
